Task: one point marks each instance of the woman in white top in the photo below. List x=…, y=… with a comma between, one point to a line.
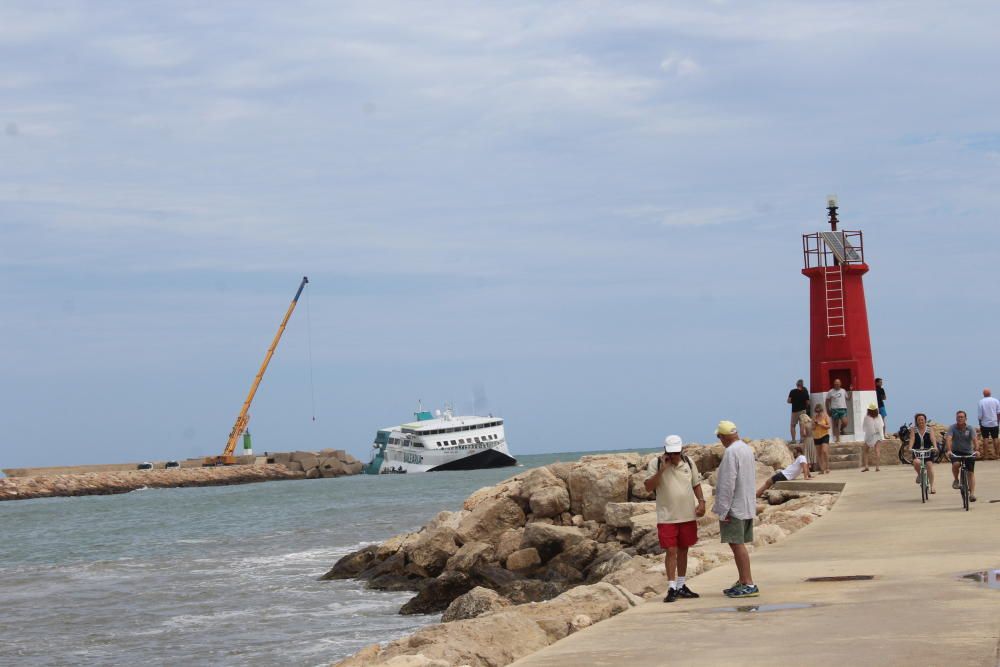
x=800, y=466
x=874, y=429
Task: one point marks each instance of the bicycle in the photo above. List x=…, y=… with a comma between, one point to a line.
x=963, y=476
x=923, y=455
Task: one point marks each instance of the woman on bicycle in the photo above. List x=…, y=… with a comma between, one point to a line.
x=922, y=444
x=821, y=438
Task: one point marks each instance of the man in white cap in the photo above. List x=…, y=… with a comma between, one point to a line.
x=679, y=503
x=736, y=505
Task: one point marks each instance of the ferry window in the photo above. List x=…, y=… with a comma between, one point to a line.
x=477, y=439
x=453, y=442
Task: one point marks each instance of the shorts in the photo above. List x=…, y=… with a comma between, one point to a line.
x=684, y=534
x=882, y=411
x=990, y=431
x=736, y=531
x=970, y=464
x=825, y=440
x=778, y=477
x=838, y=413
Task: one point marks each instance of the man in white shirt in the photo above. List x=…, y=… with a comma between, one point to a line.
x=679, y=503
x=736, y=505
x=798, y=467
x=989, y=425
x=836, y=407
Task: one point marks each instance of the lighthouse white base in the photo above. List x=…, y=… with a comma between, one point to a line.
x=857, y=407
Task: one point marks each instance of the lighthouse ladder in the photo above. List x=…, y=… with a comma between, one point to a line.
x=836, y=322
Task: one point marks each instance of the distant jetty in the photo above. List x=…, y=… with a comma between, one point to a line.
x=108, y=479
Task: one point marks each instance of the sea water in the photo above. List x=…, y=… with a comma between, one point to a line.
x=213, y=575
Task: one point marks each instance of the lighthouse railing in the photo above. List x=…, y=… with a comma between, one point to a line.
x=816, y=252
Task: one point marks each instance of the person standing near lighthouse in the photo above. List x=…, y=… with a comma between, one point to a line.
x=836, y=405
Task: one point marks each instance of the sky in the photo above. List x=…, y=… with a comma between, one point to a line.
x=585, y=217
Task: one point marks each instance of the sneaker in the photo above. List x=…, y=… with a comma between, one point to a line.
x=671, y=595
x=744, y=591
x=954, y=485
x=727, y=591
x=972, y=498
x=686, y=592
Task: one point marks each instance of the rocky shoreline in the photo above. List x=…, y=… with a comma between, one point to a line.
x=547, y=552
x=280, y=466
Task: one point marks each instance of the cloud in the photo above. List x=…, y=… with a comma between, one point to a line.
x=680, y=65
x=146, y=51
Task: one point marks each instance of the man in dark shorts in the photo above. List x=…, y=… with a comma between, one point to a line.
x=799, y=400
x=880, y=397
x=989, y=423
x=679, y=503
x=961, y=439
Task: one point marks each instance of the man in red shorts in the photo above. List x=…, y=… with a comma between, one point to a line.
x=679, y=503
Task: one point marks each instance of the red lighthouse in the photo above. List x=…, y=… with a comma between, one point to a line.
x=839, y=344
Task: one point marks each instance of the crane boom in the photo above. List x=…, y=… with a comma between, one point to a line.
x=244, y=416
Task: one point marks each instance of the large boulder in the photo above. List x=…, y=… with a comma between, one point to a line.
x=469, y=555
x=434, y=548
x=562, y=470
x=491, y=641
x=332, y=467
x=595, y=482
x=550, y=540
x=550, y=501
x=436, y=594
x=505, y=489
x=620, y=515
x=705, y=457
x=523, y=559
x=642, y=524
x=353, y=564
x=536, y=480
x=578, y=556
x=598, y=601
x=637, y=486
x=508, y=542
x=401, y=542
x=307, y=459
x=476, y=602
x=354, y=467
x=523, y=591
x=773, y=453
x=489, y=519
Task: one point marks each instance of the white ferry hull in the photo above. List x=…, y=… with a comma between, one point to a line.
x=400, y=461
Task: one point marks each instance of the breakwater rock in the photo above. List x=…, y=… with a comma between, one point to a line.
x=324, y=463
x=548, y=552
x=104, y=483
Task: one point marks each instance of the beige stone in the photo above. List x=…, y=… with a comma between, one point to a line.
x=508, y=542
x=489, y=519
x=523, y=559
x=550, y=540
x=619, y=515
x=486, y=641
x=433, y=549
x=469, y=555
x=595, y=482
x=549, y=501
x=476, y=602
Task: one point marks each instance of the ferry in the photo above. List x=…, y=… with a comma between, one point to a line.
x=440, y=442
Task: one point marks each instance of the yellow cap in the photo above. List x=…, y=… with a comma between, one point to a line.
x=872, y=406
x=725, y=428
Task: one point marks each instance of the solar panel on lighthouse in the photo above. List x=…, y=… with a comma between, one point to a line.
x=835, y=242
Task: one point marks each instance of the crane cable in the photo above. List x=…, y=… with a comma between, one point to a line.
x=312, y=384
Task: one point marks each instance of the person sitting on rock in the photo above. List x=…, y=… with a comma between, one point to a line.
x=679, y=503
x=800, y=466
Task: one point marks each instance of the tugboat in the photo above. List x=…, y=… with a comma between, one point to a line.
x=440, y=442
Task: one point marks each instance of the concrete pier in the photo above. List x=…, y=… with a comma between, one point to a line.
x=917, y=610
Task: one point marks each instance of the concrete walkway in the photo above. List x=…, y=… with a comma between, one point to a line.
x=916, y=611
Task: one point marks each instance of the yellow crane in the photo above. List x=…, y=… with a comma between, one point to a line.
x=240, y=426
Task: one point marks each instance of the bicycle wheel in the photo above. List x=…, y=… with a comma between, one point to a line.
x=924, y=486
x=963, y=485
